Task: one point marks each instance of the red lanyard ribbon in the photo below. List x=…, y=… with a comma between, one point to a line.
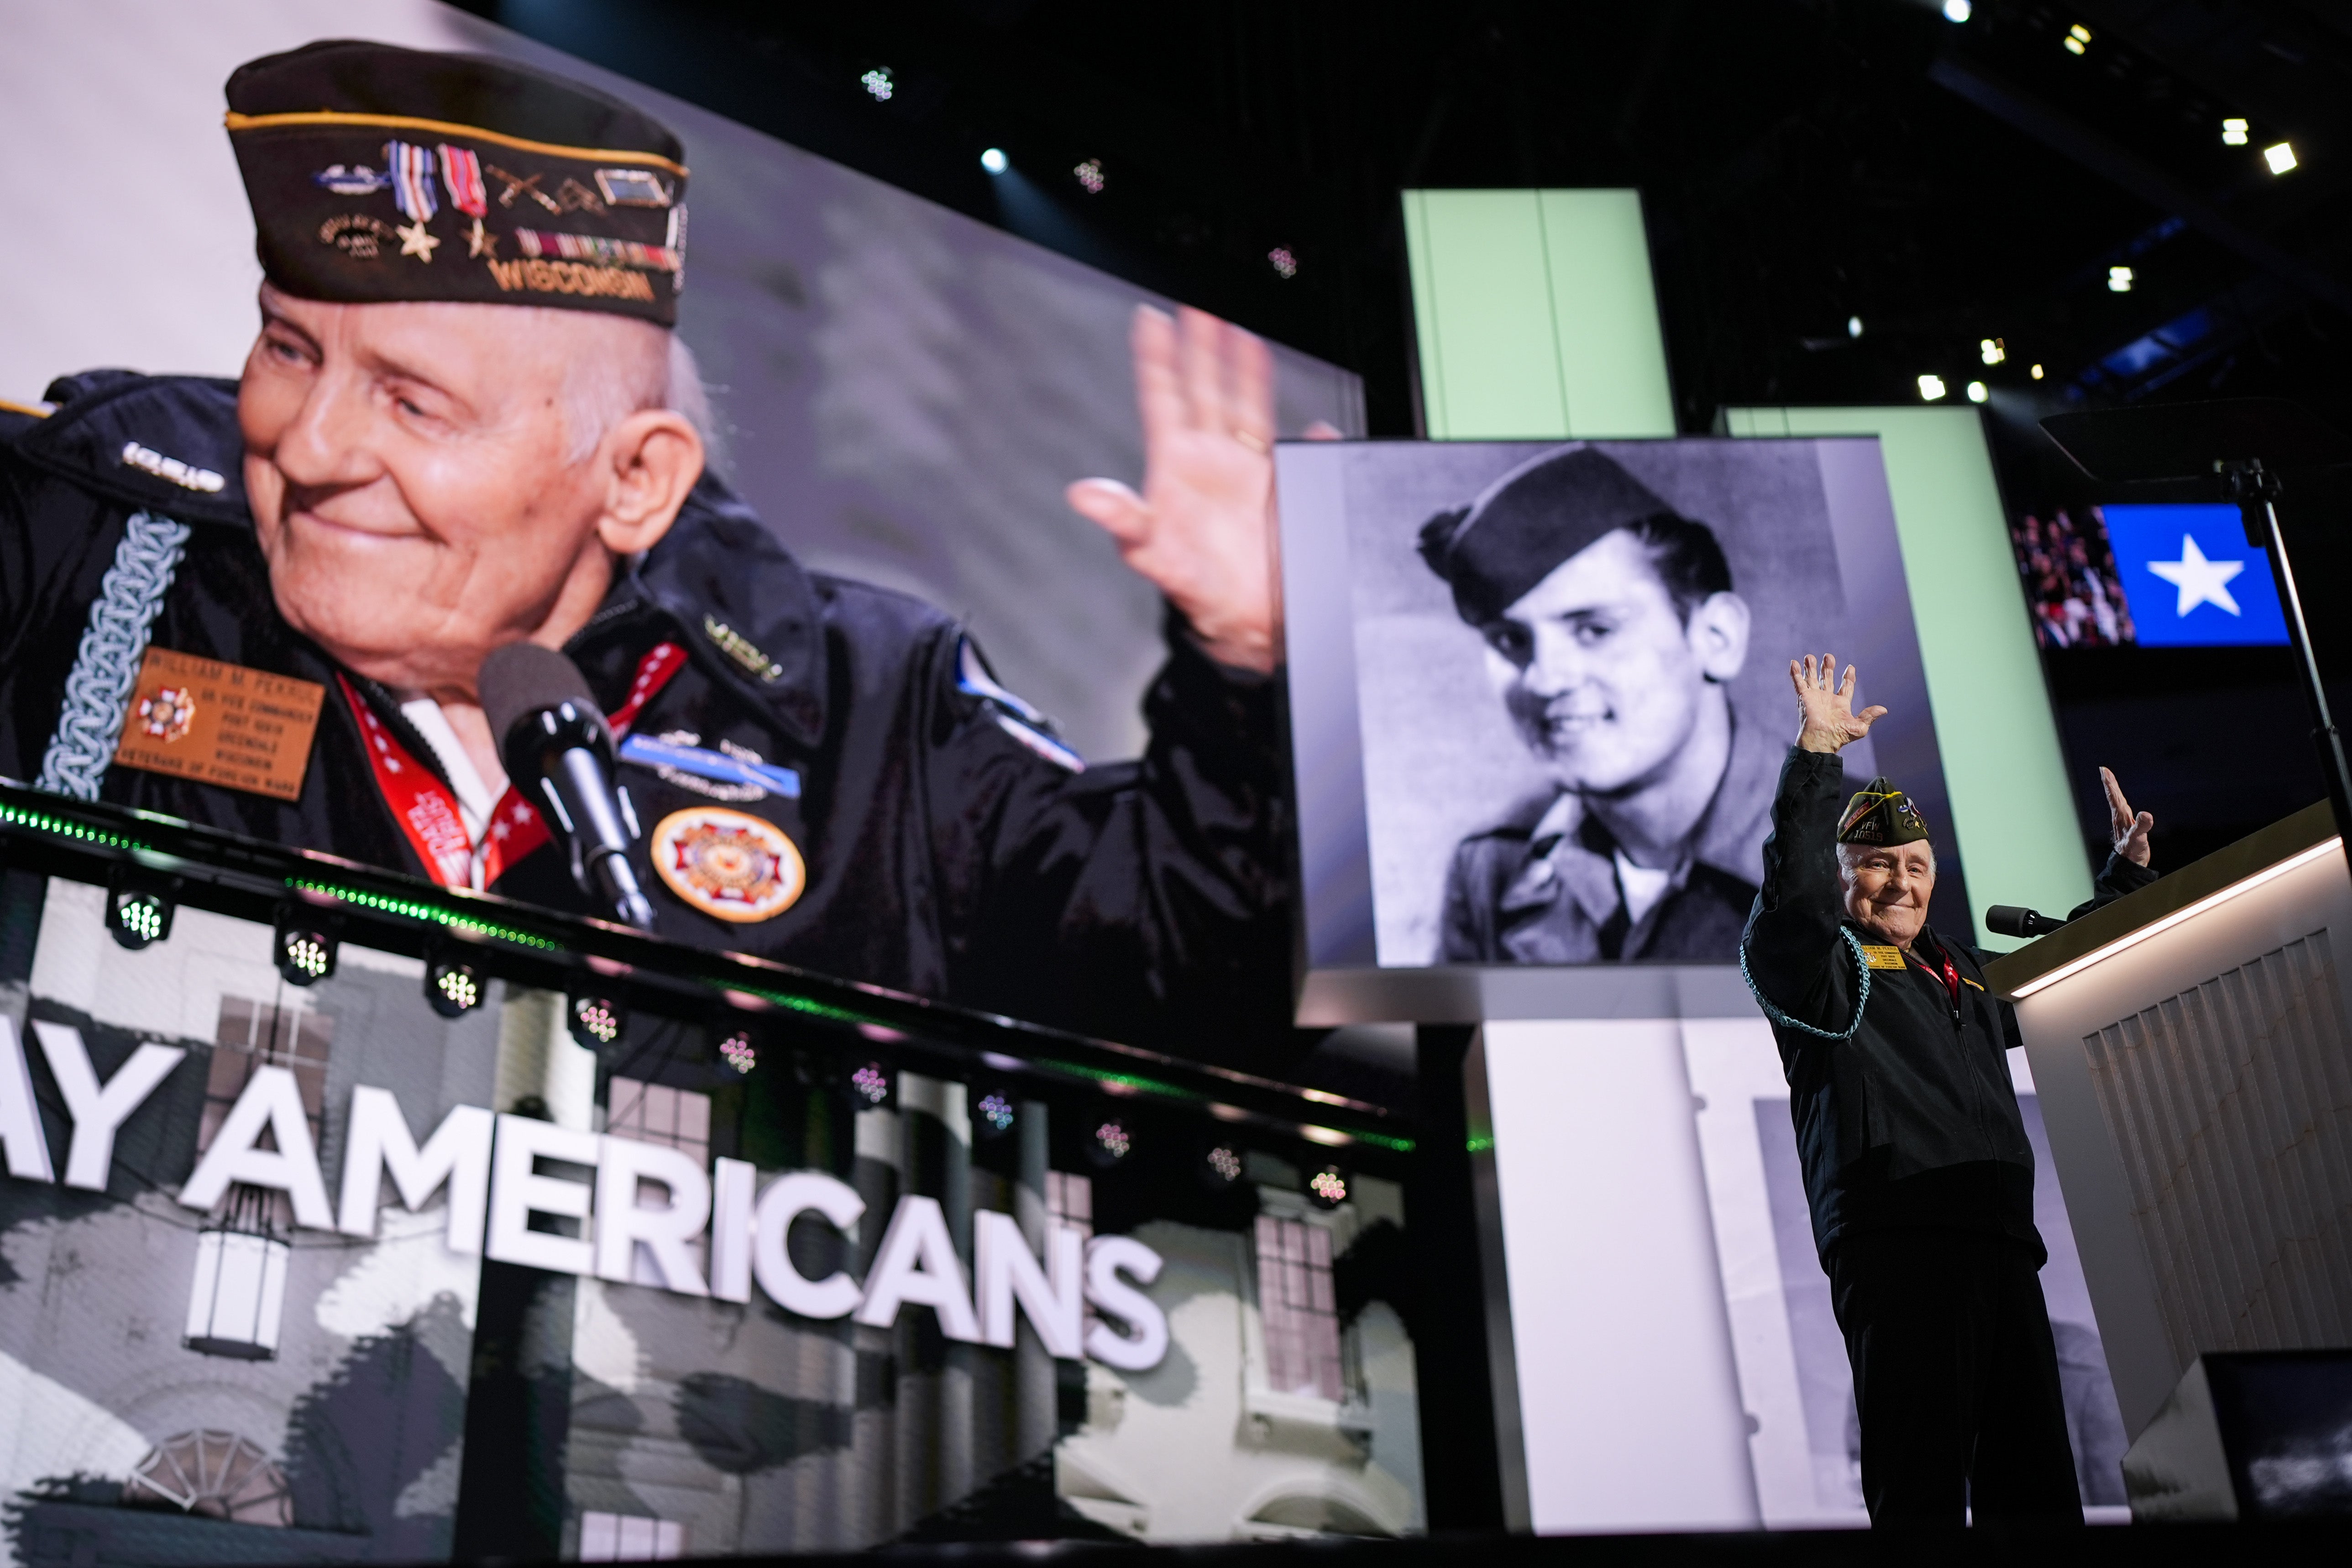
x=427, y=811
x=1951, y=976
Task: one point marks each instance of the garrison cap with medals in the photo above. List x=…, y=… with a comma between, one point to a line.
x=1879, y=814
x=378, y=173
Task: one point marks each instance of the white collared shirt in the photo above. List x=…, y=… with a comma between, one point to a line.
x=478, y=798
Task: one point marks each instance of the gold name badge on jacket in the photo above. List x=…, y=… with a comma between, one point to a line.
x=220, y=724
x=1882, y=957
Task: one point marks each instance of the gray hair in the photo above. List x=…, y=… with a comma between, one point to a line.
x=1849, y=855
x=646, y=367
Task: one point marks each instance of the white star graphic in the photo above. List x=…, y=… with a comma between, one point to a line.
x=414, y=241
x=2200, y=582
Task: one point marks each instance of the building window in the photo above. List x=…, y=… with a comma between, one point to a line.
x=236, y=1305
x=1297, y=1308
x=676, y=1118
x=629, y=1538
x=1070, y=1200
x=655, y=1113
x=217, y=1474
x=254, y=1034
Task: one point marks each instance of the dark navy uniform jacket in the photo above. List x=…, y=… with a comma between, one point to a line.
x=1911, y=1120
x=1541, y=886
x=949, y=854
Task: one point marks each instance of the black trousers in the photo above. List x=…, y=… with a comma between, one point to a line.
x=1955, y=1378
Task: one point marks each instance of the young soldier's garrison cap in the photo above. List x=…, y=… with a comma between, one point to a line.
x=379, y=173
x=1881, y=814
x=1528, y=522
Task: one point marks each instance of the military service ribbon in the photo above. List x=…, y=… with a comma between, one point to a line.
x=461, y=170
x=411, y=168
x=595, y=248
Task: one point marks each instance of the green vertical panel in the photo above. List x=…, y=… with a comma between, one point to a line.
x=1613, y=357
x=2012, y=811
x=1430, y=364
x=1482, y=303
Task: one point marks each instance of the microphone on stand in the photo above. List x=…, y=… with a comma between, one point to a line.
x=554, y=741
x=2016, y=919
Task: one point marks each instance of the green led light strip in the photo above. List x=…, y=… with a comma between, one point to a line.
x=431, y=912
x=804, y=1005
x=1384, y=1141
x=1128, y=1083
x=14, y=816
x=1122, y=1083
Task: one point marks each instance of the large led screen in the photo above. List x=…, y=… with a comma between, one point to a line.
x=879, y=706
x=2144, y=574
x=351, y=1271
x=1539, y=701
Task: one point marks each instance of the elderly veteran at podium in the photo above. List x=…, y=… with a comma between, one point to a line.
x=1612, y=631
x=262, y=606
x=1916, y=1167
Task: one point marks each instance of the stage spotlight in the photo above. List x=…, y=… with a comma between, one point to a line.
x=2077, y=38
x=1931, y=387
x=1090, y=175
x=1221, y=1167
x=994, y=160
x=993, y=1114
x=1284, y=263
x=2120, y=280
x=138, y=919
x=2234, y=132
x=872, y=1084
x=1853, y=326
x=2036, y=372
x=1110, y=1143
x=1978, y=391
x=306, y=948
x=1957, y=10
x=2281, y=157
x=878, y=83
x=596, y=1022
x=1327, y=1187
x=453, y=988
x=738, y=1052
x=1992, y=350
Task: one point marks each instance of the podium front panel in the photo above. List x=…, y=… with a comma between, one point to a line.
x=2189, y=1044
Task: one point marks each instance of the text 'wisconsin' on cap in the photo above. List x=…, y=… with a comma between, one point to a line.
x=1881, y=814
x=378, y=173
x=1528, y=522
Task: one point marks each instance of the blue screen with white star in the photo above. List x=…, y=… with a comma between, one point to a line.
x=2192, y=579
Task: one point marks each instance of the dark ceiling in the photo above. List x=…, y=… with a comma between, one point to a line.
x=1805, y=162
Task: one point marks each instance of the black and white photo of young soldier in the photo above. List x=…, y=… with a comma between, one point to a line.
x=1613, y=631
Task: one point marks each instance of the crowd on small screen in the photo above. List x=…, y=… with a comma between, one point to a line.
x=2071, y=583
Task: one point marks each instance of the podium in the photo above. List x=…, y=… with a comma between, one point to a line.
x=2189, y=1046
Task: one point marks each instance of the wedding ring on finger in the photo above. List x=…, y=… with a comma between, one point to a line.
x=1253, y=440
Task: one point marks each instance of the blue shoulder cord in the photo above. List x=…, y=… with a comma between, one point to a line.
x=1862, y=999
x=98, y=688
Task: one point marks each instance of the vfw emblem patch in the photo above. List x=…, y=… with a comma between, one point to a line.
x=730, y=864
x=168, y=714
